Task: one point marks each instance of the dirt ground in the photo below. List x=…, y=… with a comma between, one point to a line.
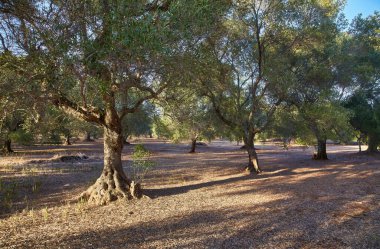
x=201, y=200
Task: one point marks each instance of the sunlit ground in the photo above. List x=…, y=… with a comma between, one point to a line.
x=202, y=200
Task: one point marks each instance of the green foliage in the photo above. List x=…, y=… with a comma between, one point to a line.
x=18, y=111
x=140, y=122
x=366, y=118
x=22, y=136
x=365, y=100
x=162, y=127
x=186, y=115
x=141, y=163
x=54, y=126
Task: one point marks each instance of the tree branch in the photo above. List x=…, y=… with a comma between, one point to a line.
x=75, y=110
x=153, y=94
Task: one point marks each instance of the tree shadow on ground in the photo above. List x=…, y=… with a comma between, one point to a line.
x=314, y=220
x=44, y=185
x=308, y=205
x=154, y=193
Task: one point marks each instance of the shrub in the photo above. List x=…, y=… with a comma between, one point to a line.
x=141, y=163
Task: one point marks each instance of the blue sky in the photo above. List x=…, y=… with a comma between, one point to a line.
x=366, y=7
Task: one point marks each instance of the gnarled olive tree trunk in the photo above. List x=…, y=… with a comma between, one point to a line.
x=253, y=160
x=112, y=184
x=253, y=163
x=321, y=150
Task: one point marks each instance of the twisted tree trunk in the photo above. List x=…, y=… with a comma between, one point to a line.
x=113, y=184
x=253, y=160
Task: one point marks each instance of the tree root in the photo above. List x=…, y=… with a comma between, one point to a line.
x=105, y=191
x=251, y=170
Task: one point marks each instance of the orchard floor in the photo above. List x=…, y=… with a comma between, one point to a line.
x=201, y=200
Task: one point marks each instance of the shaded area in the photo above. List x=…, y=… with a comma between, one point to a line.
x=295, y=203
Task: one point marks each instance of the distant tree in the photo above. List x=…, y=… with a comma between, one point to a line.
x=163, y=127
x=190, y=115
x=18, y=113
x=54, y=124
x=366, y=118
x=139, y=123
x=91, y=131
x=285, y=125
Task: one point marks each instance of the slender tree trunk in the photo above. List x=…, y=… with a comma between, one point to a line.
x=193, y=145
x=113, y=184
x=373, y=143
x=360, y=143
x=7, y=148
x=67, y=139
x=322, y=152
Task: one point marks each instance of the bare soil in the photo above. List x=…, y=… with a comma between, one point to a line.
x=201, y=200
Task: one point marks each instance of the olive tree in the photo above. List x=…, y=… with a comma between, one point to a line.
x=190, y=116
x=90, y=57
x=364, y=100
x=246, y=71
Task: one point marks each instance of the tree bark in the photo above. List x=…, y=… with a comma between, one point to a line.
x=7, y=148
x=322, y=152
x=113, y=184
x=193, y=145
x=253, y=160
x=373, y=143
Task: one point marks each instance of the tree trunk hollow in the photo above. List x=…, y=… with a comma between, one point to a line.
x=113, y=183
x=321, y=150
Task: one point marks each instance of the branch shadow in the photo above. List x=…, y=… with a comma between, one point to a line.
x=155, y=193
